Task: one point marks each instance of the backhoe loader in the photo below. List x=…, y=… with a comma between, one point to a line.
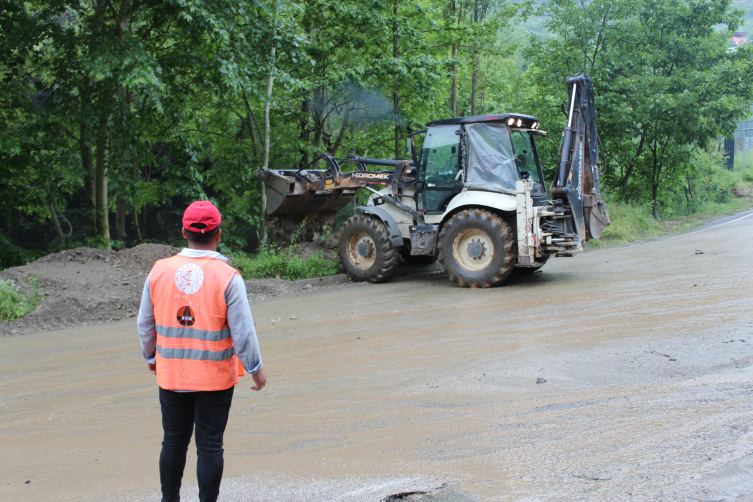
x=472, y=196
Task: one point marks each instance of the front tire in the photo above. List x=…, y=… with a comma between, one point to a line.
x=365, y=249
x=477, y=249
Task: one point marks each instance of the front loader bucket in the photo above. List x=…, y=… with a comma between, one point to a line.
x=276, y=187
x=293, y=199
x=290, y=195
x=311, y=203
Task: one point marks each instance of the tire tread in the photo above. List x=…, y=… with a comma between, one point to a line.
x=498, y=224
x=379, y=232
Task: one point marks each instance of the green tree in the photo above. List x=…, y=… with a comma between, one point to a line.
x=664, y=79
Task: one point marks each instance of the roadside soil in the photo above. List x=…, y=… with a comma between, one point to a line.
x=85, y=286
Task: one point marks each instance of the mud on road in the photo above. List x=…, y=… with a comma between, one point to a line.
x=645, y=352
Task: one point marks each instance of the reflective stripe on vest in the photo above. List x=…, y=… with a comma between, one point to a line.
x=195, y=354
x=194, y=346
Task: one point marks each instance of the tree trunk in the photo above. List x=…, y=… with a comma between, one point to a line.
x=267, y=105
x=139, y=238
x=265, y=158
x=630, y=167
x=454, y=90
x=87, y=163
x=121, y=207
x=341, y=134
x=103, y=137
x=318, y=116
x=655, y=180
x=120, y=218
x=251, y=126
x=56, y=223
x=396, y=91
x=396, y=103
x=305, y=131
x=92, y=174
x=482, y=84
x=654, y=192
x=474, y=85
x=136, y=228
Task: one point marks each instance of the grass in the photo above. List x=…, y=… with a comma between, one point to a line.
x=272, y=261
x=269, y=263
x=632, y=222
x=716, y=192
x=13, y=303
x=628, y=222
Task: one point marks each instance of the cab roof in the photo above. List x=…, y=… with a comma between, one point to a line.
x=498, y=117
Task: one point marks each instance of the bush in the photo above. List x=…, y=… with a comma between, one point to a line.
x=13, y=303
x=15, y=256
x=271, y=262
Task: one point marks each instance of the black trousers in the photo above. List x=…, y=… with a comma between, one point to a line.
x=180, y=411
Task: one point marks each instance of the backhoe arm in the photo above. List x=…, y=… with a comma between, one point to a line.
x=577, y=179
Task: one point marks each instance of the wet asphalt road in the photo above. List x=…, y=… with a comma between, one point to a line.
x=646, y=351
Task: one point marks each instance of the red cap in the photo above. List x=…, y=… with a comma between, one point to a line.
x=201, y=216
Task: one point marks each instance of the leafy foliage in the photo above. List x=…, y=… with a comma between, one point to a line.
x=13, y=303
x=118, y=113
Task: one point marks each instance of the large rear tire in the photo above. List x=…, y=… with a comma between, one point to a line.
x=477, y=249
x=365, y=249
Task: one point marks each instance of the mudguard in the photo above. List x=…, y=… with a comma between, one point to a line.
x=395, y=235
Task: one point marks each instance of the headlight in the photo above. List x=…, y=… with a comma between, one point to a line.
x=520, y=122
x=510, y=121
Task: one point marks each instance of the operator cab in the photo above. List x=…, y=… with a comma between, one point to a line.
x=482, y=152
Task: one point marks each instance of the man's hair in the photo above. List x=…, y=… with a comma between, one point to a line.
x=198, y=237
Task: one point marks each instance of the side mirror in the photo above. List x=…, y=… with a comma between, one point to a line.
x=407, y=146
x=454, y=150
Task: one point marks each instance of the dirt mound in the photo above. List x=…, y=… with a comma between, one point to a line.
x=137, y=259
x=85, y=286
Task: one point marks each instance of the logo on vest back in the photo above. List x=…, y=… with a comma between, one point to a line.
x=189, y=278
x=185, y=316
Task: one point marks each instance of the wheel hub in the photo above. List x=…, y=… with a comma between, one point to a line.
x=365, y=248
x=475, y=249
x=361, y=251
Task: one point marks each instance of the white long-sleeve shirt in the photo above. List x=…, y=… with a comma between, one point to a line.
x=239, y=320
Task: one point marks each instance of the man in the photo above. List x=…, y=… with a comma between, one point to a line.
x=196, y=332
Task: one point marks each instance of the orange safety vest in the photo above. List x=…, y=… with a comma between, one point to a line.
x=194, y=347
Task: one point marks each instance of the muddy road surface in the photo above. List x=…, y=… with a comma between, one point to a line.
x=644, y=353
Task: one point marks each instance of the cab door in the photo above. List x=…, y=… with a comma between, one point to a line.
x=527, y=160
x=439, y=170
